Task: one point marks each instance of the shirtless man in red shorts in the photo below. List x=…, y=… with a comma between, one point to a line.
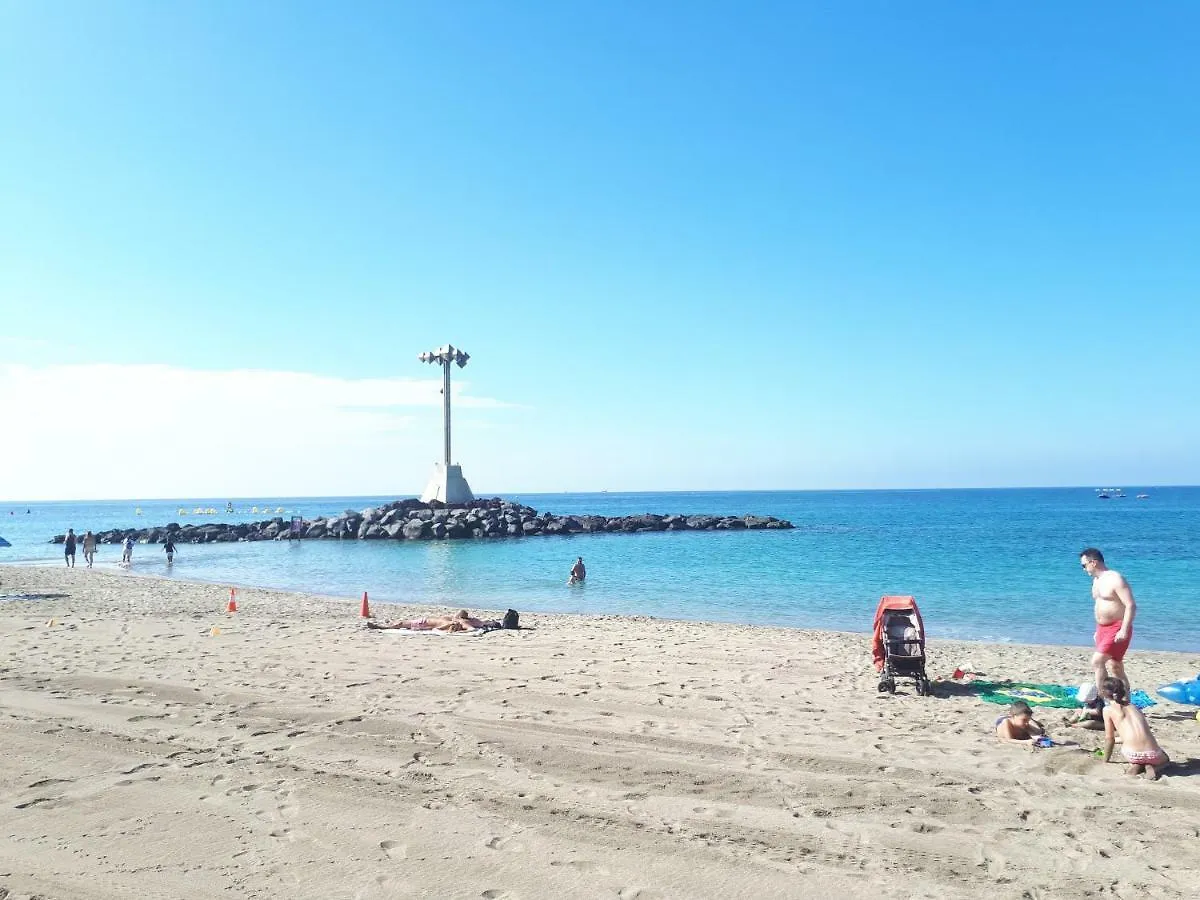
x=1115, y=609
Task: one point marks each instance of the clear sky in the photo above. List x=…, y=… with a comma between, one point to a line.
x=689, y=245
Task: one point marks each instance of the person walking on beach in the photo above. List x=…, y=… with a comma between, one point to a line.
x=89, y=548
x=169, y=547
x=69, y=548
x=578, y=572
x=127, y=552
x=1115, y=609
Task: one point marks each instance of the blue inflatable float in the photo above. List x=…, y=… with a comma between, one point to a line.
x=1182, y=691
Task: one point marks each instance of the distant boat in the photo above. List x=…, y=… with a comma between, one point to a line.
x=1102, y=495
x=1143, y=496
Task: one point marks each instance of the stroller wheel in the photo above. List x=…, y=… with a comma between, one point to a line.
x=922, y=686
x=888, y=685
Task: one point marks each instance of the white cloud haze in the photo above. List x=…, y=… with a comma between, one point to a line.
x=145, y=431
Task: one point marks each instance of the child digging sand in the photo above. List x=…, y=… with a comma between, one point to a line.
x=1019, y=726
x=1138, y=745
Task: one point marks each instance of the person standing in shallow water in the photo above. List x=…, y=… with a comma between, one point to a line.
x=578, y=572
x=1115, y=609
x=69, y=548
x=89, y=548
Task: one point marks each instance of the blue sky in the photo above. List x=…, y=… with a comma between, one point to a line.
x=688, y=245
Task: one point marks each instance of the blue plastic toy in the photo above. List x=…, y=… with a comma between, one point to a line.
x=1182, y=691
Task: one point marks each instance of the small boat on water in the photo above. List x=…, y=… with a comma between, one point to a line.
x=1143, y=496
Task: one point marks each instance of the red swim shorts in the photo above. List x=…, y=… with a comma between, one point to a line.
x=1106, y=641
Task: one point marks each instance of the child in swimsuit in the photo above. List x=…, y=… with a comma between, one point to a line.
x=1019, y=726
x=1138, y=745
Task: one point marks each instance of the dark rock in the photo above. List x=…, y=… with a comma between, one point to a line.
x=415, y=529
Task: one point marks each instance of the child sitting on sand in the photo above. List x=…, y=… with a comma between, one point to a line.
x=1091, y=716
x=1019, y=726
x=1122, y=718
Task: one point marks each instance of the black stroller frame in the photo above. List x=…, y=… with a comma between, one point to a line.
x=903, y=655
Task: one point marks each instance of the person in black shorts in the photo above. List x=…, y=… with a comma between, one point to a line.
x=69, y=548
x=169, y=547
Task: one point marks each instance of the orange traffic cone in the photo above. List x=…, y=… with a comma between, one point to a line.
x=232, y=606
x=366, y=608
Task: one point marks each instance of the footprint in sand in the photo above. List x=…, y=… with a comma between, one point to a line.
x=498, y=894
x=580, y=865
x=394, y=849
x=44, y=802
x=637, y=893
x=504, y=843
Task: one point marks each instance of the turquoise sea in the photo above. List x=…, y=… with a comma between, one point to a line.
x=996, y=565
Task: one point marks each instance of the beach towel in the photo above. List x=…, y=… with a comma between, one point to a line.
x=1053, y=696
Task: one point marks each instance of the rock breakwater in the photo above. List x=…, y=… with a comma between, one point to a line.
x=412, y=520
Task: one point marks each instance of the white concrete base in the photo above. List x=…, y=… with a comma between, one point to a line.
x=447, y=485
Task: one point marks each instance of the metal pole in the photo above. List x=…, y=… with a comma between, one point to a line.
x=446, y=405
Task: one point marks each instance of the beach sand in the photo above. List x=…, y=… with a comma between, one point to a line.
x=297, y=754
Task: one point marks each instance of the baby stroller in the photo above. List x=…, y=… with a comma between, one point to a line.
x=899, y=644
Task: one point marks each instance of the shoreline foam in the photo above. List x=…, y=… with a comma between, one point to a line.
x=586, y=756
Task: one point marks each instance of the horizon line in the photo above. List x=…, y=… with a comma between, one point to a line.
x=489, y=495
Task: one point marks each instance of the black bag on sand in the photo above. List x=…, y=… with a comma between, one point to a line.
x=511, y=619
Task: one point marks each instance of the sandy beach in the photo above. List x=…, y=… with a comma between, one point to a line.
x=296, y=753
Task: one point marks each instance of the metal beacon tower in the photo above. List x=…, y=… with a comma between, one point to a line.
x=446, y=483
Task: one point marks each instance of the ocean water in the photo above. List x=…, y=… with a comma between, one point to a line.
x=997, y=565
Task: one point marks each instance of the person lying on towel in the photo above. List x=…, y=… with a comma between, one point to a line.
x=460, y=621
